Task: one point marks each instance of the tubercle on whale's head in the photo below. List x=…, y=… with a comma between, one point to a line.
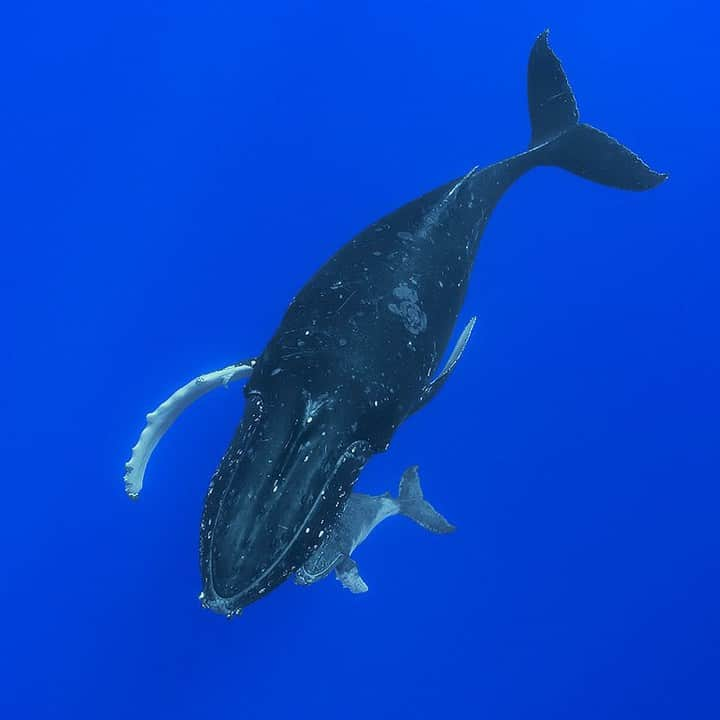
x=280, y=486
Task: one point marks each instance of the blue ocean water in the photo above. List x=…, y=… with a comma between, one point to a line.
x=173, y=173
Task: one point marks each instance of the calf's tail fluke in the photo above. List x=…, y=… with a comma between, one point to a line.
x=558, y=138
x=412, y=503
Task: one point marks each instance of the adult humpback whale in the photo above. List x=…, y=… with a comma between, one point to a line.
x=355, y=353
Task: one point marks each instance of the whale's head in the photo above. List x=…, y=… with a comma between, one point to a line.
x=279, y=488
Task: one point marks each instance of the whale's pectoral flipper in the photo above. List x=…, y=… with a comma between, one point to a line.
x=432, y=388
x=412, y=504
x=160, y=419
x=348, y=574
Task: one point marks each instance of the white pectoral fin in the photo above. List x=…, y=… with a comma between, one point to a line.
x=349, y=576
x=459, y=348
x=160, y=419
x=432, y=388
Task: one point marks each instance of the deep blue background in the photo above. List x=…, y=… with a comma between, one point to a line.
x=172, y=173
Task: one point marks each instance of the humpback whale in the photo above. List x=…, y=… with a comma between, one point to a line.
x=357, y=353
x=362, y=514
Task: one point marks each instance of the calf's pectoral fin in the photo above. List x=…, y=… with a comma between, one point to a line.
x=349, y=576
x=432, y=388
x=160, y=419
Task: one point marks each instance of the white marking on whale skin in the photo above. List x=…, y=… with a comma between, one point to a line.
x=408, y=309
x=314, y=405
x=454, y=188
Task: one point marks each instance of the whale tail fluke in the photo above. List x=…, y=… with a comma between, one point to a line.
x=413, y=504
x=560, y=139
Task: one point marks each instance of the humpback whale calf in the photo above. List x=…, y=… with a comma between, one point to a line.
x=356, y=354
x=362, y=514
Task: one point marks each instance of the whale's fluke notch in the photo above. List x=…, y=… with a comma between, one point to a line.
x=160, y=420
x=559, y=139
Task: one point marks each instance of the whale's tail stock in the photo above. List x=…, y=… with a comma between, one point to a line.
x=558, y=138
